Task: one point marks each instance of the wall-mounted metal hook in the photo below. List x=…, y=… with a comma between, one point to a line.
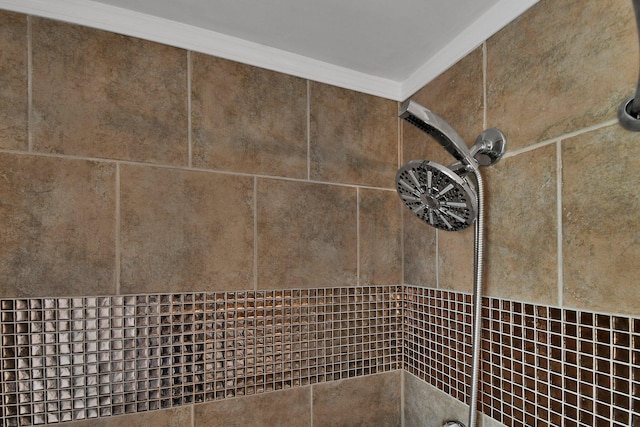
x=629, y=110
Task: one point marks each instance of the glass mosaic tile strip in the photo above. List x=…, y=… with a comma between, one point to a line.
x=67, y=359
x=541, y=365
x=437, y=338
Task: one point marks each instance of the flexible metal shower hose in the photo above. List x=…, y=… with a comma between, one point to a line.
x=477, y=305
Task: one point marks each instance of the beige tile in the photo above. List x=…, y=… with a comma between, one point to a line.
x=100, y=94
x=354, y=137
x=427, y=406
x=562, y=66
x=521, y=219
x=456, y=96
x=177, y=417
x=601, y=201
x=456, y=259
x=281, y=408
x=380, y=237
x=13, y=81
x=420, y=251
x=185, y=230
x=57, y=226
x=365, y=401
x=247, y=119
x=306, y=235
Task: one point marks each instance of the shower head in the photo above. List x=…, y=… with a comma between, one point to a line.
x=439, y=129
x=437, y=195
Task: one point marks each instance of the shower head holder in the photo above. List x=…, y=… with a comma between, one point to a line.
x=489, y=147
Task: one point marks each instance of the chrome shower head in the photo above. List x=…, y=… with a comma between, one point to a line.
x=429, y=122
x=437, y=195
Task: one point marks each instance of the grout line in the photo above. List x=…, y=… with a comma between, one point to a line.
x=402, y=401
x=189, y=111
x=559, y=223
x=400, y=157
x=437, y=257
x=193, y=169
x=117, y=230
x=29, y=85
x=358, y=236
x=484, y=85
x=560, y=138
x=308, y=130
x=255, y=234
x=311, y=404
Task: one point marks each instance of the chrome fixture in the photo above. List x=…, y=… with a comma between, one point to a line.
x=445, y=198
x=629, y=110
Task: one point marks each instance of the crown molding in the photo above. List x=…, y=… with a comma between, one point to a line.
x=152, y=28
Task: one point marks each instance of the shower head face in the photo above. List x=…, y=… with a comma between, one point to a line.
x=437, y=195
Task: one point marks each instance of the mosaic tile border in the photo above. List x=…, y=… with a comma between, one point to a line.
x=541, y=365
x=66, y=359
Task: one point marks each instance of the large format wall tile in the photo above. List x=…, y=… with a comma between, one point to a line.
x=247, y=119
x=521, y=245
x=420, y=251
x=562, y=66
x=13, y=81
x=456, y=96
x=354, y=137
x=100, y=94
x=185, y=230
x=57, y=226
x=176, y=417
x=427, y=406
x=283, y=408
x=307, y=235
x=365, y=401
x=601, y=205
x=380, y=237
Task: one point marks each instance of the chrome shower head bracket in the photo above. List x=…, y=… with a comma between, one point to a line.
x=489, y=147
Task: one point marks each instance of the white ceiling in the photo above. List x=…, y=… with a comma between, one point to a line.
x=388, y=48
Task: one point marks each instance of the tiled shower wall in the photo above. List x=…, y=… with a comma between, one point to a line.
x=139, y=181
x=161, y=173
x=562, y=221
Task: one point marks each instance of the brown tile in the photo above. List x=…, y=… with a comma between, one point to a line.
x=426, y=406
x=560, y=67
x=177, y=417
x=456, y=259
x=281, y=408
x=380, y=237
x=354, y=137
x=100, y=94
x=456, y=96
x=185, y=230
x=306, y=235
x=58, y=226
x=247, y=119
x=521, y=227
x=601, y=172
x=364, y=401
x=420, y=252
x=13, y=81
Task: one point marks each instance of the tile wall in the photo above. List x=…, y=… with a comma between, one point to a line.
x=562, y=222
x=159, y=173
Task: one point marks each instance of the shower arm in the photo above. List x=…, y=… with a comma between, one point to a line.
x=629, y=110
